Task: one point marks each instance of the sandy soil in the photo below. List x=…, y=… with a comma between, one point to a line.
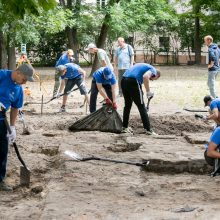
x=176, y=184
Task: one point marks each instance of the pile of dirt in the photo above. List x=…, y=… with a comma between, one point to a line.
x=172, y=124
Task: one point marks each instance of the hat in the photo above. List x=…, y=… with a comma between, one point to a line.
x=70, y=52
x=27, y=70
x=90, y=46
x=107, y=73
x=206, y=99
x=61, y=68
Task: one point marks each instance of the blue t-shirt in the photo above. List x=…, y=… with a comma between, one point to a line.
x=214, y=55
x=124, y=57
x=215, y=137
x=64, y=59
x=11, y=94
x=99, y=77
x=138, y=70
x=215, y=104
x=72, y=71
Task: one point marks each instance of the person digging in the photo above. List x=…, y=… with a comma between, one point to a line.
x=75, y=75
x=131, y=85
x=212, y=149
x=214, y=109
x=11, y=95
x=104, y=82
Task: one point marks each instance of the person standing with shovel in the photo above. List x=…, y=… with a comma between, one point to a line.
x=131, y=85
x=11, y=95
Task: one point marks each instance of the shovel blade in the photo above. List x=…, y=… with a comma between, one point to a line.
x=25, y=176
x=73, y=155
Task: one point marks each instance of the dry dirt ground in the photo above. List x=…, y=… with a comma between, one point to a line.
x=174, y=186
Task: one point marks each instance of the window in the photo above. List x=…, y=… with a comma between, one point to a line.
x=101, y=3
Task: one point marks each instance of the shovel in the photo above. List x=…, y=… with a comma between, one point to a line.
x=25, y=127
x=25, y=173
x=77, y=157
x=148, y=103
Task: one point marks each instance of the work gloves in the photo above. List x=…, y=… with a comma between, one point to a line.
x=11, y=136
x=109, y=103
x=58, y=95
x=114, y=105
x=150, y=94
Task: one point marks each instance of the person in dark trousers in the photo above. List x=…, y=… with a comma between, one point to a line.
x=74, y=75
x=212, y=148
x=213, y=65
x=104, y=82
x=131, y=85
x=11, y=96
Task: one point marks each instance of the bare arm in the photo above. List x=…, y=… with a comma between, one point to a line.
x=13, y=116
x=103, y=63
x=146, y=79
x=132, y=60
x=212, y=151
x=83, y=72
x=213, y=115
x=211, y=64
x=62, y=85
x=114, y=93
x=101, y=90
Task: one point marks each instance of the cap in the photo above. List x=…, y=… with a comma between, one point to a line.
x=206, y=99
x=90, y=46
x=27, y=70
x=61, y=68
x=70, y=52
x=107, y=73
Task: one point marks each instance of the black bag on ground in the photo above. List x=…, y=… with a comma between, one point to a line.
x=105, y=119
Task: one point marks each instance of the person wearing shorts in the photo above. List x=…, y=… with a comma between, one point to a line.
x=74, y=75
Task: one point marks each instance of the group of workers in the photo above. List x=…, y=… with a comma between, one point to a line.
x=68, y=74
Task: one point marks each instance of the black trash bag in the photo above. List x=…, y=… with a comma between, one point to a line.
x=105, y=119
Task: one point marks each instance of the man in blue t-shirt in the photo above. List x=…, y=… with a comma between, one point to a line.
x=131, y=85
x=214, y=105
x=11, y=96
x=213, y=64
x=211, y=152
x=104, y=82
x=67, y=57
x=74, y=76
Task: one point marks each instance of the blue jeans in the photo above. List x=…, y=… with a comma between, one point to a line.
x=3, y=149
x=212, y=75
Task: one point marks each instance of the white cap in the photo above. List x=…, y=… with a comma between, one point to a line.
x=90, y=46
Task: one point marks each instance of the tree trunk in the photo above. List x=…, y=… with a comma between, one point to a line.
x=3, y=51
x=197, y=9
x=11, y=58
x=103, y=34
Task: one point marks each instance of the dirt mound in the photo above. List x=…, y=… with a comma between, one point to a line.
x=172, y=124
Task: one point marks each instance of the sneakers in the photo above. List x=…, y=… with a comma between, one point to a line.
x=151, y=133
x=127, y=130
x=62, y=109
x=5, y=187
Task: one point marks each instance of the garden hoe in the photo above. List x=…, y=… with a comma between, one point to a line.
x=25, y=173
x=77, y=157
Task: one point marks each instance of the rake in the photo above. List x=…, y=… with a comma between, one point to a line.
x=77, y=157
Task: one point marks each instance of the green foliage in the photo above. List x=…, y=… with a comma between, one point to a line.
x=22, y=7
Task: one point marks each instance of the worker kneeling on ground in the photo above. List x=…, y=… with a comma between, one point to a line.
x=104, y=82
x=75, y=76
x=211, y=152
x=214, y=112
x=11, y=95
x=131, y=85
